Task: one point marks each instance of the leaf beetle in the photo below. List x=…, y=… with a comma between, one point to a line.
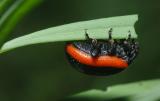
x=102, y=57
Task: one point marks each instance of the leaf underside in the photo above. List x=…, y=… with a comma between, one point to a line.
x=138, y=91
x=98, y=29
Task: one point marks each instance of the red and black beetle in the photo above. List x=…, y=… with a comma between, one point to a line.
x=102, y=57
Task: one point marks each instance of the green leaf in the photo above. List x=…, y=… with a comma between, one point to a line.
x=75, y=31
x=138, y=91
x=13, y=14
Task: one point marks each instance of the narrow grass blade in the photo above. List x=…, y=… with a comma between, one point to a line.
x=3, y=5
x=75, y=31
x=13, y=14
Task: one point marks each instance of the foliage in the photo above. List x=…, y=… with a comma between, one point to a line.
x=139, y=91
x=96, y=28
x=11, y=12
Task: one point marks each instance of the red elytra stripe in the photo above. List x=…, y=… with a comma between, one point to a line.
x=101, y=61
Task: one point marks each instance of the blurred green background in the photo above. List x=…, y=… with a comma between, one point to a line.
x=41, y=72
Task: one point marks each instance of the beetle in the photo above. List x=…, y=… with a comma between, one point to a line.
x=102, y=57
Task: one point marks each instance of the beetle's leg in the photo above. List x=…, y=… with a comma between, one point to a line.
x=112, y=45
x=134, y=46
x=111, y=41
x=86, y=35
x=128, y=40
x=129, y=36
x=110, y=33
x=94, y=44
x=93, y=41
